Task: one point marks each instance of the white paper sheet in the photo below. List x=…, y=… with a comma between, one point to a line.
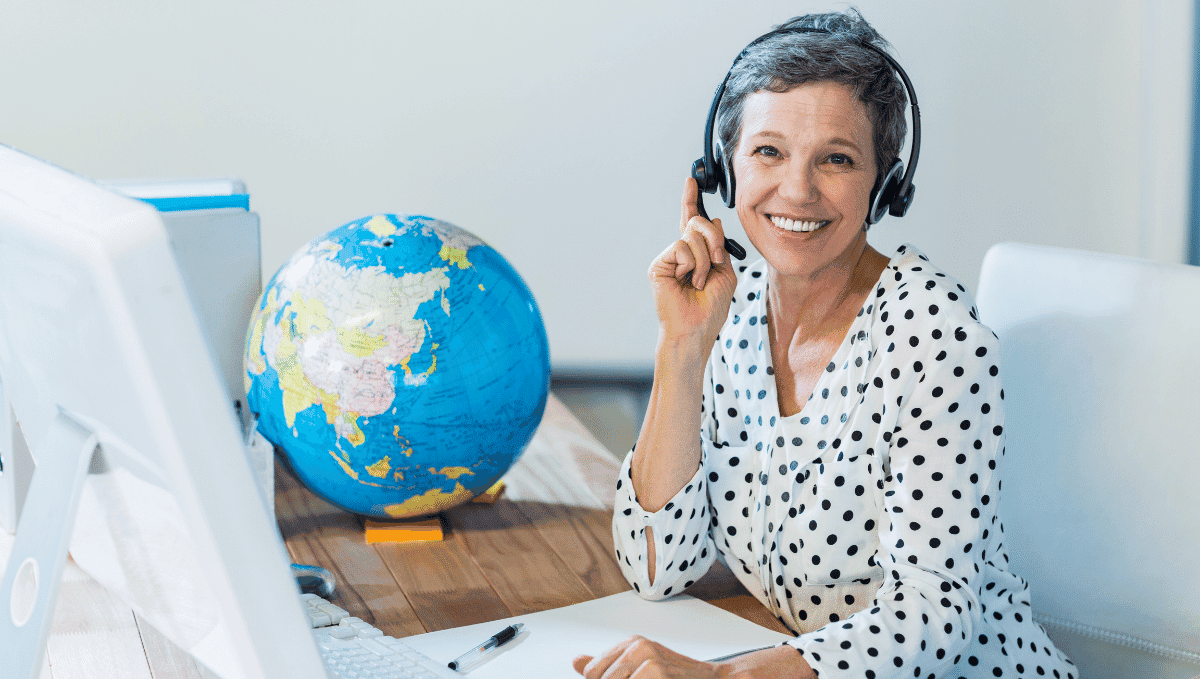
x=553, y=638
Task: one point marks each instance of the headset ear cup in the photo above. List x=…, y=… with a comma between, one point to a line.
x=882, y=197
x=730, y=182
x=725, y=179
x=702, y=176
x=899, y=205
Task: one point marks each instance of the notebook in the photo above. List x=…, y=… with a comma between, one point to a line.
x=551, y=639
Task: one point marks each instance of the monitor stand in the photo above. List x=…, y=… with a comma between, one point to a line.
x=29, y=590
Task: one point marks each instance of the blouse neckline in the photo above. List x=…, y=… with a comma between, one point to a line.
x=843, y=354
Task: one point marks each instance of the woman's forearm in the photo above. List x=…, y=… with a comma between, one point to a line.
x=668, y=447
x=781, y=662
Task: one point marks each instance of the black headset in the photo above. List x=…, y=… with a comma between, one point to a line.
x=892, y=193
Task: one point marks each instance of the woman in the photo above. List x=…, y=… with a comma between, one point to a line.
x=849, y=404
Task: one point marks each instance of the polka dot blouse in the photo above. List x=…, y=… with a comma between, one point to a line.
x=867, y=521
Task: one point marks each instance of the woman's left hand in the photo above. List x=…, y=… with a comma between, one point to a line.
x=640, y=658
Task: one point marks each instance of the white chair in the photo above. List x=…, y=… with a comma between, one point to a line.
x=1101, y=369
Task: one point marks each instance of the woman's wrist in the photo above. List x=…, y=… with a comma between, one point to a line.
x=682, y=352
x=781, y=662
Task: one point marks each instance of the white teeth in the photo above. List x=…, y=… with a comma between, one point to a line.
x=793, y=225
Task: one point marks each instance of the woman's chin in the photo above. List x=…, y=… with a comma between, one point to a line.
x=806, y=254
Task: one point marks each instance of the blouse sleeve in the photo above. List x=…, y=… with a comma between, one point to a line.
x=939, y=495
x=683, y=547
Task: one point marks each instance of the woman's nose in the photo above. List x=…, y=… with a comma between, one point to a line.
x=799, y=184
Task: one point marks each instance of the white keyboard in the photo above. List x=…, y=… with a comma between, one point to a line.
x=353, y=649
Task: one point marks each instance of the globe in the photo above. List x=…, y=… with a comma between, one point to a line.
x=400, y=364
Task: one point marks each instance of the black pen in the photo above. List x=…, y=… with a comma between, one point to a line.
x=496, y=641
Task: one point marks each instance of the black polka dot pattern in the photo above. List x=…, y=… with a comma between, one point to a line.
x=866, y=522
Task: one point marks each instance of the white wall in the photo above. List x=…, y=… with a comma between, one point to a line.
x=562, y=132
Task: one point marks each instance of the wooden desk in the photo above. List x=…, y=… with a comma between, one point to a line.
x=546, y=543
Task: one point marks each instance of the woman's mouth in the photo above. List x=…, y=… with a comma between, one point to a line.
x=797, y=225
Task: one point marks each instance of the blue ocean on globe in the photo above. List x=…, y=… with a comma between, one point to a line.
x=400, y=363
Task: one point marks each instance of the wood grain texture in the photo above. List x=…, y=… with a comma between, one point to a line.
x=582, y=539
x=443, y=583
x=317, y=533
x=515, y=558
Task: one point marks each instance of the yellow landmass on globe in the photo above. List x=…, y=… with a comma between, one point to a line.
x=417, y=380
x=405, y=446
x=310, y=316
x=409, y=378
x=451, y=472
x=254, y=359
x=356, y=437
x=455, y=256
x=359, y=342
x=329, y=405
x=380, y=226
x=481, y=288
x=298, y=392
x=255, y=364
x=345, y=465
x=381, y=468
x=432, y=501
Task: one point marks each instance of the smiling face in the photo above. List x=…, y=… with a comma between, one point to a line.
x=805, y=165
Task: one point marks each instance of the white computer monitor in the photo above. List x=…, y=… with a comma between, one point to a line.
x=104, y=364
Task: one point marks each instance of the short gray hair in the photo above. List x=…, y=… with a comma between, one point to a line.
x=784, y=61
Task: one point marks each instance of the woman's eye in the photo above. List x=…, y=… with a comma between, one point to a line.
x=840, y=159
x=767, y=151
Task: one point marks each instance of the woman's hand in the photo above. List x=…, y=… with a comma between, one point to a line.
x=693, y=278
x=640, y=658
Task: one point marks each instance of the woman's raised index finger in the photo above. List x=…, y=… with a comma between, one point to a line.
x=713, y=234
x=688, y=209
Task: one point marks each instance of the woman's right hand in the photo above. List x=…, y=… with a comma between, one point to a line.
x=693, y=279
